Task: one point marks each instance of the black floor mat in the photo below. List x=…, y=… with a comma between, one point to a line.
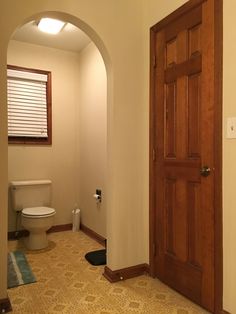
x=97, y=257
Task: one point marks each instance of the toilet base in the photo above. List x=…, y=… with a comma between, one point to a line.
x=37, y=227
x=36, y=241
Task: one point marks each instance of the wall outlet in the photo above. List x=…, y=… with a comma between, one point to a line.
x=99, y=192
x=231, y=127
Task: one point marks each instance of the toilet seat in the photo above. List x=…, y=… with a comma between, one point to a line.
x=38, y=212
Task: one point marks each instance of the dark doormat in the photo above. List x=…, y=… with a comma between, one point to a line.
x=97, y=258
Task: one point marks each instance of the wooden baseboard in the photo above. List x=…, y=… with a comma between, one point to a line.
x=224, y=312
x=92, y=234
x=5, y=305
x=125, y=273
x=13, y=235
x=59, y=228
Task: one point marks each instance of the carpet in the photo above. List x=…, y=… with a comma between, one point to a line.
x=19, y=271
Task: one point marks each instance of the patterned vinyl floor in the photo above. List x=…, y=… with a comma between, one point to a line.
x=66, y=283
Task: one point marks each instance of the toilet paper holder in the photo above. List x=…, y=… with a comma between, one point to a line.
x=98, y=195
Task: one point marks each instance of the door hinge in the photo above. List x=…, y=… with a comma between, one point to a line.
x=154, y=249
x=154, y=61
x=167, y=114
x=153, y=154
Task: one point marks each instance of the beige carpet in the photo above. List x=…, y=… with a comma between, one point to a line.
x=66, y=283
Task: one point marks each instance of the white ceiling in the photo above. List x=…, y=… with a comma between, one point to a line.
x=70, y=38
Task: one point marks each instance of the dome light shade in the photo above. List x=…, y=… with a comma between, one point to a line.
x=50, y=26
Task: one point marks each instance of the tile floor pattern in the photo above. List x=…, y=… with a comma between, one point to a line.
x=66, y=283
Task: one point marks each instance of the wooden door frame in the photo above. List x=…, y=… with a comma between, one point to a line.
x=218, y=74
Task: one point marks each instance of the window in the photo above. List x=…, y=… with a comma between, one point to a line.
x=29, y=106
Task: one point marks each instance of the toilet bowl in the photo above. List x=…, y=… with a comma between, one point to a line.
x=32, y=199
x=37, y=220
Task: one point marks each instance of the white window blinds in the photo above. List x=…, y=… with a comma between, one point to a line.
x=27, y=104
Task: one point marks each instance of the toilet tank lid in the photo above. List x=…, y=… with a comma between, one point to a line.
x=30, y=182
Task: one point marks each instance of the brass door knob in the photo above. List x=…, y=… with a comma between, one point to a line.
x=205, y=171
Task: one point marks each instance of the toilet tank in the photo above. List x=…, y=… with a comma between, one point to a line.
x=32, y=193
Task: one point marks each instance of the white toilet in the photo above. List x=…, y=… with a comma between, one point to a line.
x=32, y=199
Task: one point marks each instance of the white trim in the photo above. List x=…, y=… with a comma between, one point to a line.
x=27, y=75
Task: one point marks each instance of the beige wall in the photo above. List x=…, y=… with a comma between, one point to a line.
x=55, y=162
x=77, y=157
x=92, y=133
x=229, y=157
x=120, y=44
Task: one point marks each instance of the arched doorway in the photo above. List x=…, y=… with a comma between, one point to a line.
x=100, y=45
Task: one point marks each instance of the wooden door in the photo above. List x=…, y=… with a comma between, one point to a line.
x=183, y=155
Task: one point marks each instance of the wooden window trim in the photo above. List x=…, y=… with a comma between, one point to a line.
x=34, y=140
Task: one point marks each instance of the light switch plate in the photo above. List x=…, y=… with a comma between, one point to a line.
x=231, y=127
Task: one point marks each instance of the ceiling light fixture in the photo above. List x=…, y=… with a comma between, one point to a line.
x=50, y=26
